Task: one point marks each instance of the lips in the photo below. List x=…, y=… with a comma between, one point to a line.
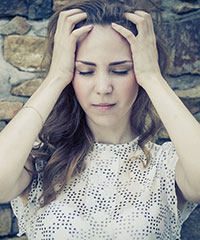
x=104, y=106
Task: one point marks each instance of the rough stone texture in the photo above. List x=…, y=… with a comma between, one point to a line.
x=9, y=109
x=197, y=116
x=2, y=125
x=57, y=4
x=163, y=134
x=13, y=7
x=32, y=9
x=40, y=9
x=185, y=8
x=27, y=88
x=17, y=26
x=16, y=238
x=14, y=228
x=183, y=41
x=5, y=220
x=192, y=93
x=190, y=97
x=152, y=5
x=4, y=81
x=191, y=227
x=24, y=52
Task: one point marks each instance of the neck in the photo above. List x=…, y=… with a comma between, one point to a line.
x=112, y=134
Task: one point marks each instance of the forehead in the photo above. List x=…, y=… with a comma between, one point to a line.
x=103, y=43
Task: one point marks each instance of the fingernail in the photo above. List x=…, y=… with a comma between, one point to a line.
x=114, y=24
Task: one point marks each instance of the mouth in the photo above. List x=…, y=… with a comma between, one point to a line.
x=104, y=106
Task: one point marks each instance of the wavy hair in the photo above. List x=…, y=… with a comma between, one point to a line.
x=65, y=137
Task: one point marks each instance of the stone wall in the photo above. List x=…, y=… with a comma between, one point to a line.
x=22, y=38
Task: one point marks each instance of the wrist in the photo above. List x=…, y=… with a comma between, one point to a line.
x=151, y=80
x=56, y=81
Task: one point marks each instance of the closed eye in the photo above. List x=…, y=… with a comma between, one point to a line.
x=121, y=72
x=86, y=73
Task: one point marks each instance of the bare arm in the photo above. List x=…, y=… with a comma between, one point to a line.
x=184, y=132
x=182, y=127
x=17, y=138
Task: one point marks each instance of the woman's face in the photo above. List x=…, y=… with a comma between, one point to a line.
x=104, y=80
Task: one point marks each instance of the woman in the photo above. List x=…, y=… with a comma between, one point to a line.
x=95, y=174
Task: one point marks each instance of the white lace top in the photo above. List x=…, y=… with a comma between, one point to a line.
x=114, y=198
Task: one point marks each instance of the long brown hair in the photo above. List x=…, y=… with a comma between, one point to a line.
x=65, y=137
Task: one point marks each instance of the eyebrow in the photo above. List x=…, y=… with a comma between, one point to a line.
x=111, y=64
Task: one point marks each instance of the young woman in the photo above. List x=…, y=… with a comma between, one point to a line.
x=95, y=173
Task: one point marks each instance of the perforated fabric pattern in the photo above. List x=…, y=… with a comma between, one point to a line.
x=114, y=198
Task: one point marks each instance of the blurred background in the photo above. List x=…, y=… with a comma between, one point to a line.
x=22, y=42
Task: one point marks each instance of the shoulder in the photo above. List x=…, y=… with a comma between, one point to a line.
x=165, y=153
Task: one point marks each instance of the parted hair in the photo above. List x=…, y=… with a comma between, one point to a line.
x=65, y=138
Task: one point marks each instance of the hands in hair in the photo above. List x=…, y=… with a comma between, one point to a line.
x=143, y=46
x=65, y=39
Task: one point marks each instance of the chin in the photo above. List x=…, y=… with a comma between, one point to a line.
x=105, y=121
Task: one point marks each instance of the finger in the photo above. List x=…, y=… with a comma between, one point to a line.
x=146, y=16
x=142, y=13
x=141, y=19
x=127, y=34
x=65, y=14
x=76, y=34
x=68, y=24
x=74, y=19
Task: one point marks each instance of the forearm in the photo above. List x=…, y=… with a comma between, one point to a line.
x=17, y=138
x=181, y=126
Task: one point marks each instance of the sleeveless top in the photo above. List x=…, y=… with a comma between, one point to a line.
x=114, y=198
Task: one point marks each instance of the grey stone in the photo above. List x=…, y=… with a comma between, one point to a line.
x=40, y=9
x=14, y=229
x=183, y=41
x=5, y=220
x=38, y=2
x=184, y=81
x=27, y=88
x=33, y=9
x=3, y=22
x=4, y=82
x=2, y=125
x=197, y=116
x=32, y=12
x=191, y=227
x=39, y=28
x=190, y=97
x=13, y=7
x=193, y=93
x=185, y=8
x=18, y=25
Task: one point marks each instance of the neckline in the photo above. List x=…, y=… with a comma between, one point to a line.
x=118, y=145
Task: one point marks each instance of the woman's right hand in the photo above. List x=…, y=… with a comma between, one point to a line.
x=65, y=39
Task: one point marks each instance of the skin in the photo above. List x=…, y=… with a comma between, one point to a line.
x=23, y=129
x=105, y=75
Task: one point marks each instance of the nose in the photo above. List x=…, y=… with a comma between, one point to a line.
x=103, y=84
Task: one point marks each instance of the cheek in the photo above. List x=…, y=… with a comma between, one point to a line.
x=80, y=90
x=130, y=89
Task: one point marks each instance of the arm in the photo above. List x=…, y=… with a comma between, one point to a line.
x=184, y=132
x=183, y=129
x=17, y=138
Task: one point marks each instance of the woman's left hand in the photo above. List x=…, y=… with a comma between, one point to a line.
x=143, y=46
